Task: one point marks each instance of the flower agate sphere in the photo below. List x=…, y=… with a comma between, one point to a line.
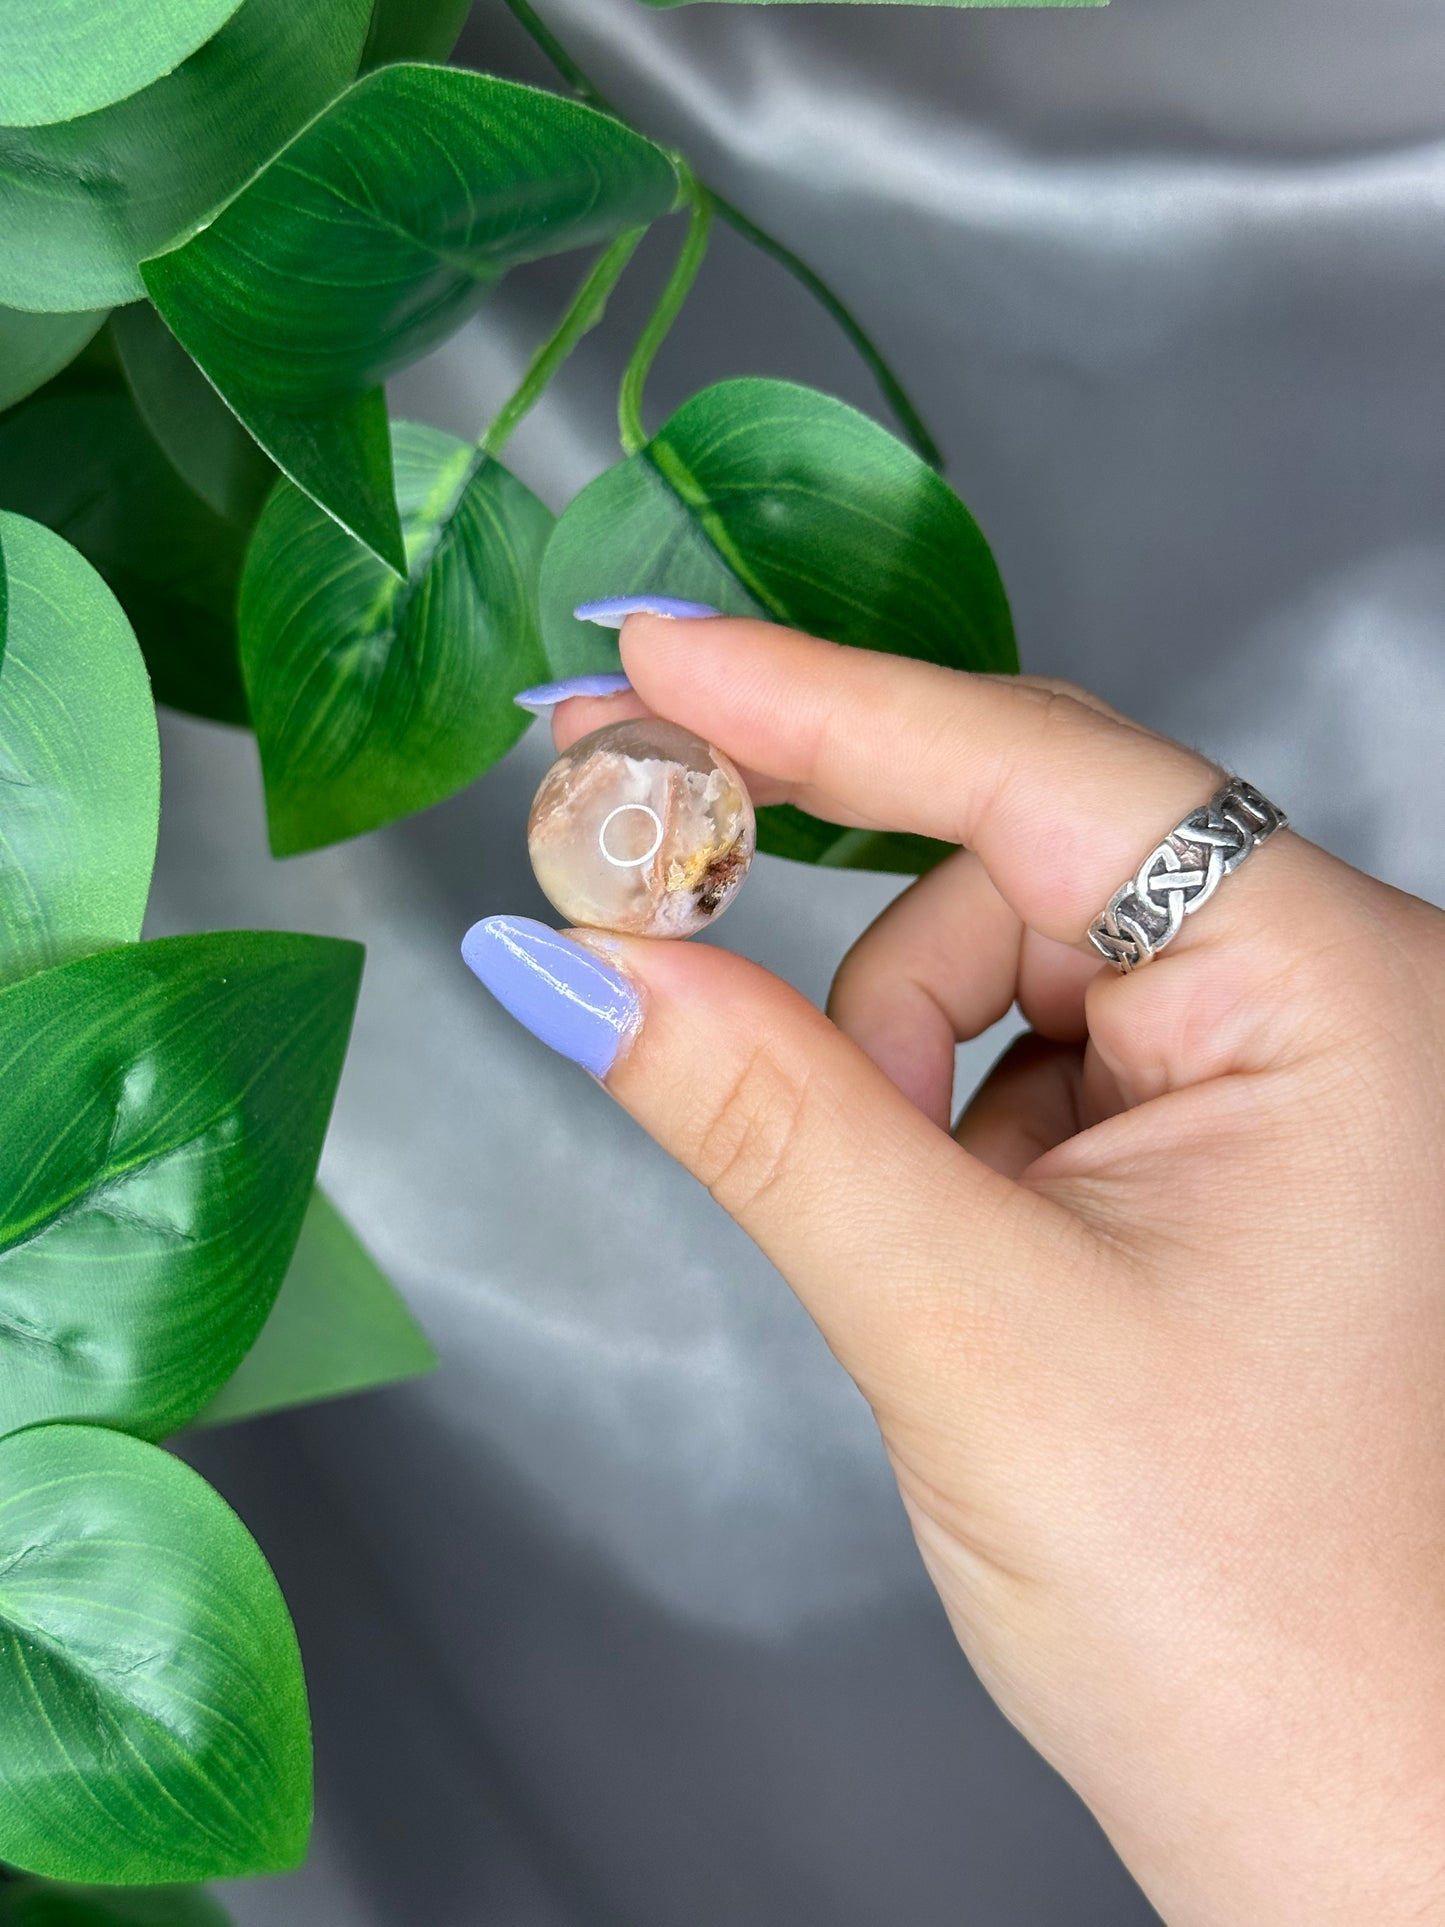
x=643, y=828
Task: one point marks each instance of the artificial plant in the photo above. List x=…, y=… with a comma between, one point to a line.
x=223, y=225
x=162, y=1107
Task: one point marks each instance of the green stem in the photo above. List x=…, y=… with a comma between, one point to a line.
x=894, y=393
x=588, y=307
x=897, y=397
x=529, y=18
x=679, y=286
x=584, y=311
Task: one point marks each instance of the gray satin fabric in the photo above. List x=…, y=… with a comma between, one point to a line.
x=616, y=1619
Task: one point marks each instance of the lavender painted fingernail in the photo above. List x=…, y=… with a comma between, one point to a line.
x=561, y=991
x=612, y=611
x=548, y=694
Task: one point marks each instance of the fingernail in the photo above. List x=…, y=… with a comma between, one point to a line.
x=563, y=993
x=612, y=611
x=548, y=694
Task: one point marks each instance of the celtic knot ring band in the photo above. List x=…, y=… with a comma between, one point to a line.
x=1183, y=872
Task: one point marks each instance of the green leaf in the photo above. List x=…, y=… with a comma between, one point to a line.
x=153, y=1721
x=78, y=458
x=371, y=696
x=161, y=1113
x=370, y=238
x=62, y=58
x=79, y=761
x=767, y=499
x=53, y=1903
x=413, y=30
x=339, y=1326
x=81, y=203
x=33, y=347
x=189, y=422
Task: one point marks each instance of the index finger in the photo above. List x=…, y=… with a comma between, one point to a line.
x=1059, y=797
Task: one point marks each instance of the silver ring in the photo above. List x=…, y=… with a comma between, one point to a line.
x=1182, y=873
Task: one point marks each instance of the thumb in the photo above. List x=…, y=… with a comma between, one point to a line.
x=877, y=1219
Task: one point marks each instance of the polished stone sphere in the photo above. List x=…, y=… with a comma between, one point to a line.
x=642, y=828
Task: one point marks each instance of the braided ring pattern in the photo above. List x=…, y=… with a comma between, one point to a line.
x=1182, y=873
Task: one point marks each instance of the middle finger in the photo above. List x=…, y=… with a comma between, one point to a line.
x=942, y=963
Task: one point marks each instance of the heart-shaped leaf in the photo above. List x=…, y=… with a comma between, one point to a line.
x=79, y=760
x=766, y=499
x=61, y=58
x=54, y=1903
x=161, y=1115
x=372, y=236
x=33, y=347
x=82, y=202
x=413, y=30
x=190, y=424
x=372, y=696
x=153, y=1722
x=78, y=458
x=339, y=1326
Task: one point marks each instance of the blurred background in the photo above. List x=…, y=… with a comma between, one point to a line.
x=615, y=1621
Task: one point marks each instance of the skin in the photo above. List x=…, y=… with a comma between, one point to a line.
x=1155, y=1335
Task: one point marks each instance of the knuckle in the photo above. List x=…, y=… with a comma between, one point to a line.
x=1061, y=709
x=1045, y=687
x=1063, y=693
x=1062, y=737
x=745, y=1144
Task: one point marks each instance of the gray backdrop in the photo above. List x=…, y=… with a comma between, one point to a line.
x=615, y=1621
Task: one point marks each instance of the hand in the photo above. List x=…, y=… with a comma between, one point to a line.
x=1156, y=1336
